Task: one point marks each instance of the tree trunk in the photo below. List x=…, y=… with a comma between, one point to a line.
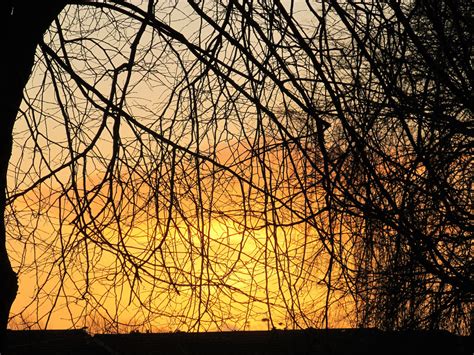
x=24, y=23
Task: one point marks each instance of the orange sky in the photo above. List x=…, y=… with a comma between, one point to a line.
x=218, y=269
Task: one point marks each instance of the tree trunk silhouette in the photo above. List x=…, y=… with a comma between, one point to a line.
x=24, y=24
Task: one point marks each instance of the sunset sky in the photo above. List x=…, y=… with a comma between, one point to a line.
x=183, y=166
x=214, y=251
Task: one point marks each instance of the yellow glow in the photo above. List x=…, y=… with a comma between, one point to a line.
x=213, y=268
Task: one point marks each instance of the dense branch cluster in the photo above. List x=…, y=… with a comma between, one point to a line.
x=207, y=165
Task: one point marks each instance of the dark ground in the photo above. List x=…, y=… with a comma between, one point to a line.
x=311, y=341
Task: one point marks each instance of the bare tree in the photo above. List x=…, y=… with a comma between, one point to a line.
x=207, y=163
x=413, y=171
